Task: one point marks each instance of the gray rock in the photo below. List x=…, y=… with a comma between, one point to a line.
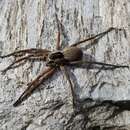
x=103, y=95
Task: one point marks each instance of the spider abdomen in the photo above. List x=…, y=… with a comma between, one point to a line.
x=72, y=54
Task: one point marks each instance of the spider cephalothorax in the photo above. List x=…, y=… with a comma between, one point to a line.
x=71, y=55
x=56, y=59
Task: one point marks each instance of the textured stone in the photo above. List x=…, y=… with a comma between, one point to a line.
x=32, y=23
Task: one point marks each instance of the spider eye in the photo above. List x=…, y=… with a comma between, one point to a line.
x=56, y=55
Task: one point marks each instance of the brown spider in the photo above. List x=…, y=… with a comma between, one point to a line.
x=69, y=56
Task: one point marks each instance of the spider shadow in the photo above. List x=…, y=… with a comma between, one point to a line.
x=92, y=65
x=88, y=66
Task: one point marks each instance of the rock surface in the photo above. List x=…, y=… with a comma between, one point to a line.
x=103, y=95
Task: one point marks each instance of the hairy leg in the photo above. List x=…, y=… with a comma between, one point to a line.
x=26, y=51
x=98, y=63
x=34, y=84
x=59, y=32
x=58, y=41
x=35, y=54
x=63, y=69
x=17, y=63
x=96, y=36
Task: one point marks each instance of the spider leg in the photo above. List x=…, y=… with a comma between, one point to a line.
x=15, y=62
x=34, y=84
x=59, y=32
x=98, y=63
x=25, y=51
x=41, y=55
x=58, y=41
x=63, y=69
x=93, y=37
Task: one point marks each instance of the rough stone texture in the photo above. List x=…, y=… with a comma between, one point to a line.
x=32, y=23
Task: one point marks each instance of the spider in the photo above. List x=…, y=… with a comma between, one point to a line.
x=59, y=59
